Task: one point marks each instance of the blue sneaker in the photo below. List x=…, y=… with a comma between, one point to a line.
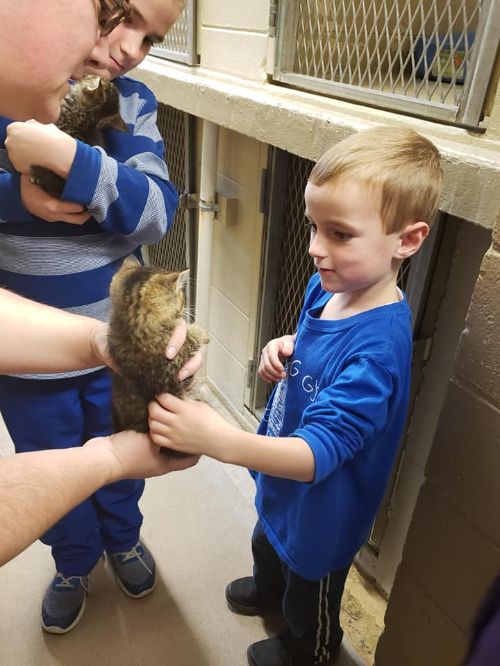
x=135, y=571
x=64, y=603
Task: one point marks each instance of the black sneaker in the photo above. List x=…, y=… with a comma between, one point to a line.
x=242, y=598
x=276, y=651
x=269, y=652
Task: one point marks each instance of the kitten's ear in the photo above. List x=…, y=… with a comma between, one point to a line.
x=129, y=263
x=182, y=280
x=91, y=82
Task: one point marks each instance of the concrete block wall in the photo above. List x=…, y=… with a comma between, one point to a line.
x=452, y=552
x=232, y=37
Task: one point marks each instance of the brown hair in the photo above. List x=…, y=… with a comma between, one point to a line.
x=405, y=165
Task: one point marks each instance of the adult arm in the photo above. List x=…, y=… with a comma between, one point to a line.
x=39, y=338
x=36, y=489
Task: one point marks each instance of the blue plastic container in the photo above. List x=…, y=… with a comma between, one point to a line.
x=445, y=45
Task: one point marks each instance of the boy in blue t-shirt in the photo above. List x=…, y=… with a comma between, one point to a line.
x=327, y=442
x=64, y=253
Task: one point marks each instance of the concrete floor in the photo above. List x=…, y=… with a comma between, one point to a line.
x=198, y=524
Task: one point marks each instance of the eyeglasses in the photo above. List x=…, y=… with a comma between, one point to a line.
x=112, y=13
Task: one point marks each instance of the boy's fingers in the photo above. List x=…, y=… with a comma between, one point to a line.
x=169, y=401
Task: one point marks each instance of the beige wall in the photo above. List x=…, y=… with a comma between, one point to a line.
x=232, y=37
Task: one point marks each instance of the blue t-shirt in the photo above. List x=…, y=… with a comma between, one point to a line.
x=346, y=394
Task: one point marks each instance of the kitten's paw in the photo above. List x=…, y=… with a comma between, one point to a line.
x=50, y=182
x=197, y=335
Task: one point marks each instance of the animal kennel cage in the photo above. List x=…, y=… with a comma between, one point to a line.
x=177, y=250
x=180, y=43
x=432, y=58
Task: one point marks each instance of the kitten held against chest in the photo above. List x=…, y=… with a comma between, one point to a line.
x=145, y=305
x=92, y=105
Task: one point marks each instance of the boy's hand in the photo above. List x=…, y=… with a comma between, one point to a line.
x=32, y=142
x=42, y=205
x=271, y=368
x=188, y=426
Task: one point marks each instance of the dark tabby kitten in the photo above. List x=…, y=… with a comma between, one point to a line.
x=145, y=304
x=92, y=105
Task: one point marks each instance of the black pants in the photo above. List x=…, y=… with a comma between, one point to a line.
x=310, y=608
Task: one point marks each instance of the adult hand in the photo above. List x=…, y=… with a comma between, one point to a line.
x=188, y=426
x=176, y=341
x=99, y=345
x=48, y=208
x=32, y=142
x=133, y=455
x=271, y=368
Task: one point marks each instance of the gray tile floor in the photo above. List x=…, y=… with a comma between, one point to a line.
x=198, y=525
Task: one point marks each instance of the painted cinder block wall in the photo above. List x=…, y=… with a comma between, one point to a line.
x=452, y=552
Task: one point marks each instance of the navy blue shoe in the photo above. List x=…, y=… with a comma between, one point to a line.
x=135, y=571
x=64, y=603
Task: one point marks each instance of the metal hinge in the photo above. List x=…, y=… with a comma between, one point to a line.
x=191, y=202
x=273, y=18
x=250, y=373
x=188, y=200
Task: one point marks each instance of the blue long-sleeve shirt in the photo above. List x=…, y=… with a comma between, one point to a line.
x=127, y=190
x=346, y=394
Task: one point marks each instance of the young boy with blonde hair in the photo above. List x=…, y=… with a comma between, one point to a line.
x=327, y=442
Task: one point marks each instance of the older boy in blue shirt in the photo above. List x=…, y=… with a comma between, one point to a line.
x=327, y=442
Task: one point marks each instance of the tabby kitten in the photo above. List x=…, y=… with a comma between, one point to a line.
x=145, y=304
x=92, y=105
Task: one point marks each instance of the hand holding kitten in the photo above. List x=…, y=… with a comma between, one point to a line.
x=32, y=142
x=42, y=205
x=100, y=350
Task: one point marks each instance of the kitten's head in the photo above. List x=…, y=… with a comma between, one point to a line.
x=144, y=291
x=101, y=99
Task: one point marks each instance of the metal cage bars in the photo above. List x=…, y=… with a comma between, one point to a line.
x=180, y=42
x=432, y=58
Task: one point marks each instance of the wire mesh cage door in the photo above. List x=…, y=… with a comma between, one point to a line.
x=177, y=250
x=432, y=58
x=286, y=268
x=180, y=42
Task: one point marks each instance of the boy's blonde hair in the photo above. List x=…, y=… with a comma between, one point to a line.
x=405, y=165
